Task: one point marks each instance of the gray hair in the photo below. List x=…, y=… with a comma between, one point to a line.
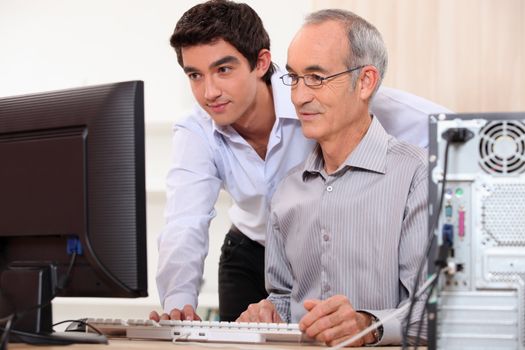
x=365, y=41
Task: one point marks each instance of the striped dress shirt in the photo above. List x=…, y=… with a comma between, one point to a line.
x=360, y=231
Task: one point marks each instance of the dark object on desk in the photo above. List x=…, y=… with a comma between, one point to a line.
x=72, y=203
x=77, y=326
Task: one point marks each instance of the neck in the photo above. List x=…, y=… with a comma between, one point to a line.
x=256, y=125
x=337, y=149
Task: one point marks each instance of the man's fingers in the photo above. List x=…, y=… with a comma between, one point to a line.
x=189, y=314
x=339, y=333
x=154, y=316
x=257, y=313
x=309, y=304
x=165, y=316
x=326, y=315
x=263, y=311
x=358, y=342
x=175, y=314
x=276, y=317
x=244, y=317
x=266, y=314
x=321, y=309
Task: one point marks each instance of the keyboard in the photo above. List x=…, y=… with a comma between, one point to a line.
x=200, y=331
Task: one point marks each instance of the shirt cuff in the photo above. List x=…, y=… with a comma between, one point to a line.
x=178, y=301
x=391, y=328
x=282, y=305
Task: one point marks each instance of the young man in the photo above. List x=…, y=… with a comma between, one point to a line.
x=361, y=194
x=243, y=137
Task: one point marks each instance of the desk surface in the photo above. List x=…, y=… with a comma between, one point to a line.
x=148, y=345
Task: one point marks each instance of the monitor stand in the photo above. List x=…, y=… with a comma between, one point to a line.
x=27, y=291
x=57, y=338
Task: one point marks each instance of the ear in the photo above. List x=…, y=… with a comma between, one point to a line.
x=368, y=80
x=264, y=60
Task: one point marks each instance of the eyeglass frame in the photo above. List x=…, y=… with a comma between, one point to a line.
x=321, y=79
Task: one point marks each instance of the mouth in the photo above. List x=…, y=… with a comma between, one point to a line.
x=308, y=115
x=217, y=107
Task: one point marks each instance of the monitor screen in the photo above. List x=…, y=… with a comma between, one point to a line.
x=72, y=199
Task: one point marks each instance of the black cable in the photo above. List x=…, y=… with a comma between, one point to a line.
x=430, y=241
x=5, y=335
x=422, y=316
x=451, y=135
x=82, y=322
x=67, y=276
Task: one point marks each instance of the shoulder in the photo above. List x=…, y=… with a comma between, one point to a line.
x=195, y=131
x=195, y=123
x=388, y=98
x=407, y=150
x=197, y=118
x=412, y=158
x=404, y=115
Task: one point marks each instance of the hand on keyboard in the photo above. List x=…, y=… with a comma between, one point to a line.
x=186, y=314
x=202, y=331
x=263, y=311
x=334, y=320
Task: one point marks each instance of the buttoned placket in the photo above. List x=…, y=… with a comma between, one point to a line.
x=326, y=239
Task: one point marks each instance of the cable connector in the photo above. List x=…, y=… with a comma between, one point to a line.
x=74, y=246
x=457, y=135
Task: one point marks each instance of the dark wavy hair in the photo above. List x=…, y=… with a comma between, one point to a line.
x=235, y=23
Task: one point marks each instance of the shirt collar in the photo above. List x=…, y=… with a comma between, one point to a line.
x=370, y=153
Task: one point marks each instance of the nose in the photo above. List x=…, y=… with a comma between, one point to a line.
x=301, y=94
x=211, y=90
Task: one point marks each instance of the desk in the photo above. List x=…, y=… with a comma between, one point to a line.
x=118, y=344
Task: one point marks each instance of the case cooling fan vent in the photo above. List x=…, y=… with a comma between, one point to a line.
x=503, y=214
x=502, y=147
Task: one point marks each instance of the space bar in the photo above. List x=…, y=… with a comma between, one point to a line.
x=230, y=336
x=200, y=335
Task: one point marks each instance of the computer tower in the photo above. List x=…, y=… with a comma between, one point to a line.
x=482, y=221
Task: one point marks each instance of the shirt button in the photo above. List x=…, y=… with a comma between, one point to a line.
x=329, y=188
x=326, y=288
x=326, y=237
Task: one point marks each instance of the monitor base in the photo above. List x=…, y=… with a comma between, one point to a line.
x=57, y=338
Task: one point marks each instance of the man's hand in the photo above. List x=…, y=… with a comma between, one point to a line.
x=334, y=320
x=263, y=311
x=187, y=313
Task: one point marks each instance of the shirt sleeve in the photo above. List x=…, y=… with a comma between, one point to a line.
x=193, y=186
x=411, y=254
x=278, y=272
x=404, y=115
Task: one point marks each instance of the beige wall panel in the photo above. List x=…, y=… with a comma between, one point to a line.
x=468, y=55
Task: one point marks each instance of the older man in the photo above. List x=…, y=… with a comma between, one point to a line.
x=348, y=226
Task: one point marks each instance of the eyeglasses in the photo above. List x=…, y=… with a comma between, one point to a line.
x=292, y=79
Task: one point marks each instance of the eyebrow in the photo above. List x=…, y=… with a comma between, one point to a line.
x=310, y=69
x=220, y=61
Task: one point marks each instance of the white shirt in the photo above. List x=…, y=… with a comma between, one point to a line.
x=207, y=157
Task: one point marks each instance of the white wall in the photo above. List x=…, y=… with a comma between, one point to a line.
x=56, y=44
x=53, y=44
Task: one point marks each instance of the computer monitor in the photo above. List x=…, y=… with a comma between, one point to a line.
x=72, y=200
